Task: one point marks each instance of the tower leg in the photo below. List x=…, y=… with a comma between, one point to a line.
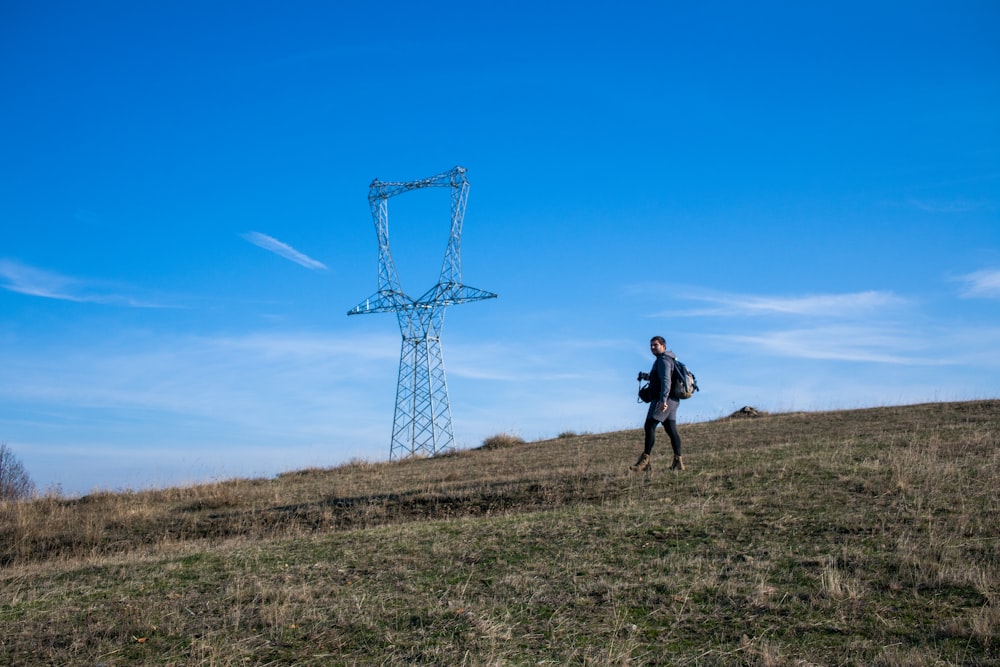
x=402, y=422
x=422, y=423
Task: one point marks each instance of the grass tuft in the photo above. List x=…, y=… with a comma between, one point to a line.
x=501, y=441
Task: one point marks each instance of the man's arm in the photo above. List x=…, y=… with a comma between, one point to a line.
x=665, y=366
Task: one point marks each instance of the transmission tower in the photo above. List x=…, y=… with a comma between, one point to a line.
x=422, y=421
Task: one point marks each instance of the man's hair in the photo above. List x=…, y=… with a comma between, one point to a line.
x=658, y=339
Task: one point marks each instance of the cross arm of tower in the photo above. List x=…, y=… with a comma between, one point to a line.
x=454, y=177
x=450, y=293
x=386, y=301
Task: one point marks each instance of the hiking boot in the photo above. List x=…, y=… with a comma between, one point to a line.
x=642, y=464
x=678, y=463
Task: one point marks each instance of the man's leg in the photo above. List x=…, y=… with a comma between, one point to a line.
x=675, y=438
x=650, y=429
x=675, y=442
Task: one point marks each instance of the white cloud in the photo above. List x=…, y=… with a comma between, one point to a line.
x=953, y=206
x=853, y=326
x=238, y=378
x=28, y=280
x=982, y=284
x=272, y=244
x=205, y=398
x=843, y=343
x=825, y=305
x=35, y=282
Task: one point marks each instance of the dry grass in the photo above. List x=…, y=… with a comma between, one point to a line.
x=858, y=537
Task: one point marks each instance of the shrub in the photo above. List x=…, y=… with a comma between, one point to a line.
x=501, y=440
x=15, y=483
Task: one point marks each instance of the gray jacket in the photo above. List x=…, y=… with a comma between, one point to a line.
x=659, y=377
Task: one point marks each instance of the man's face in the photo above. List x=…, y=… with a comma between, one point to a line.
x=656, y=347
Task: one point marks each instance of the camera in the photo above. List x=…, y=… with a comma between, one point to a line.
x=642, y=376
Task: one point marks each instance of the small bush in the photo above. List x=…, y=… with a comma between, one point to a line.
x=501, y=440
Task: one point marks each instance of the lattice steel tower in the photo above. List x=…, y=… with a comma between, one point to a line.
x=422, y=422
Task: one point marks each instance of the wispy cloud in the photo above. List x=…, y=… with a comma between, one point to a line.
x=34, y=282
x=822, y=305
x=982, y=284
x=847, y=343
x=852, y=326
x=165, y=404
x=23, y=279
x=953, y=206
x=272, y=244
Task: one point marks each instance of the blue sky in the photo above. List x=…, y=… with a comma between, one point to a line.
x=804, y=200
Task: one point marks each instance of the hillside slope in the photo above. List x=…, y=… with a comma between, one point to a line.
x=851, y=537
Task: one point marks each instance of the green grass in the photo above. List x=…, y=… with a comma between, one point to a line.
x=864, y=537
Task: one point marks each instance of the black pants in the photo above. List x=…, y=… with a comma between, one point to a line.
x=671, y=428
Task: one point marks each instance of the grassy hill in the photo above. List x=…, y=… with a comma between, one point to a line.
x=863, y=537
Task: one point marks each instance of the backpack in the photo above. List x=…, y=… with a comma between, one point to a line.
x=683, y=383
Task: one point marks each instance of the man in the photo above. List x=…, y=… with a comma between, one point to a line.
x=663, y=408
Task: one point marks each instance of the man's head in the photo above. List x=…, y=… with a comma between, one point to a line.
x=657, y=345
